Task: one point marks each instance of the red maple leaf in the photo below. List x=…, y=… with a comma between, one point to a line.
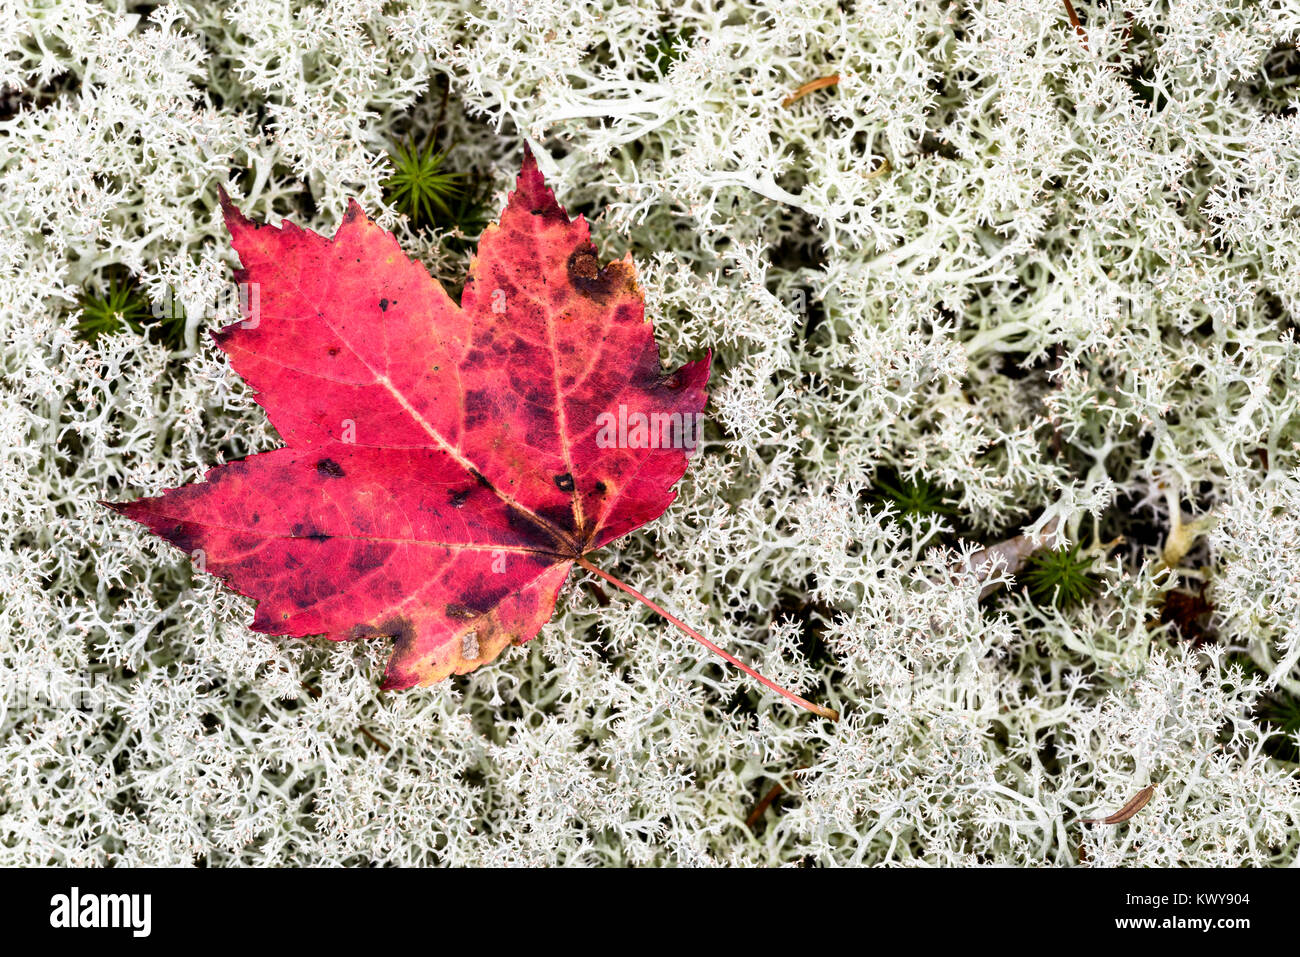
x=445, y=465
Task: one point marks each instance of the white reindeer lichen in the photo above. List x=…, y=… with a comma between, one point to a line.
x=1058, y=282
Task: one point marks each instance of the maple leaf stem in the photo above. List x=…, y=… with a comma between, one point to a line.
x=830, y=713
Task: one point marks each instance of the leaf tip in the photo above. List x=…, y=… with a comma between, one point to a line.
x=693, y=377
x=532, y=194
x=354, y=213
x=122, y=508
x=230, y=212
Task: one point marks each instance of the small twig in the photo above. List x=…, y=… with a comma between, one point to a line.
x=756, y=815
x=880, y=170
x=812, y=85
x=1128, y=32
x=773, y=793
x=1074, y=22
x=597, y=592
x=1138, y=802
x=315, y=693
x=379, y=744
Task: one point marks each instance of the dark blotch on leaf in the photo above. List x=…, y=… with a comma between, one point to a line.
x=478, y=600
x=399, y=628
x=367, y=559
x=479, y=407
x=561, y=516
x=529, y=532
x=329, y=468
x=183, y=538
x=597, y=284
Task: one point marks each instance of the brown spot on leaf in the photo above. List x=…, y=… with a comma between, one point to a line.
x=583, y=265
x=596, y=284
x=329, y=468
x=399, y=628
